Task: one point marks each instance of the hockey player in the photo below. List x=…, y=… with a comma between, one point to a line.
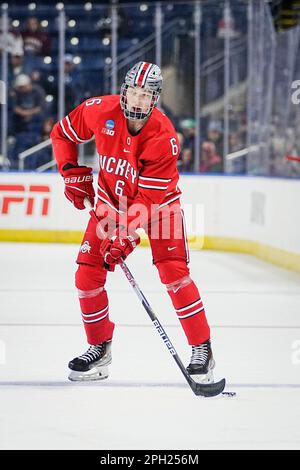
x=138, y=149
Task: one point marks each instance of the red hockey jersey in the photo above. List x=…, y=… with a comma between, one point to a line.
x=139, y=168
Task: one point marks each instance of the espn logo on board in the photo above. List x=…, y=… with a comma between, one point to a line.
x=33, y=198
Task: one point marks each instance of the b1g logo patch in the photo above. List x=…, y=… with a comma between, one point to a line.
x=109, y=126
x=85, y=247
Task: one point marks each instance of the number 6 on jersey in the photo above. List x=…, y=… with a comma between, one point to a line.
x=119, y=187
x=174, y=146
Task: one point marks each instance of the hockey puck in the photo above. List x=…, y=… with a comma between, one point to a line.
x=229, y=394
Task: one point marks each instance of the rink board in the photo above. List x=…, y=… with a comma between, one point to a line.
x=251, y=215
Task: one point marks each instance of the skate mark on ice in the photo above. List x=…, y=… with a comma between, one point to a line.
x=128, y=384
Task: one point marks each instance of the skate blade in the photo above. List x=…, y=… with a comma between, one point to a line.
x=204, y=378
x=90, y=375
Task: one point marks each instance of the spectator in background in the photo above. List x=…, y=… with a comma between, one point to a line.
x=75, y=87
x=73, y=84
x=36, y=42
x=211, y=162
x=186, y=161
x=17, y=66
x=28, y=104
x=226, y=27
x=47, y=128
x=44, y=155
x=38, y=77
x=13, y=41
x=215, y=135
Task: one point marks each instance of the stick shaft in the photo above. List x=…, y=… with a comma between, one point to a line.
x=159, y=328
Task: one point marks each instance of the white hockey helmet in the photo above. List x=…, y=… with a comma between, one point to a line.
x=147, y=76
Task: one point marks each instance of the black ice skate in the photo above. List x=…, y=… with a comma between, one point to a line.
x=202, y=363
x=92, y=365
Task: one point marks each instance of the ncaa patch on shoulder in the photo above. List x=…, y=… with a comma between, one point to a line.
x=110, y=124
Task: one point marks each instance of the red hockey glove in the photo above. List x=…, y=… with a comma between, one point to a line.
x=116, y=249
x=78, y=184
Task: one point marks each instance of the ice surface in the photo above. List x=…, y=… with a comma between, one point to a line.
x=254, y=312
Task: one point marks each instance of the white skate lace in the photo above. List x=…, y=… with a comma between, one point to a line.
x=93, y=353
x=199, y=354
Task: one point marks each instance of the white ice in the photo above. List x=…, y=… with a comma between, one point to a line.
x=254, y=312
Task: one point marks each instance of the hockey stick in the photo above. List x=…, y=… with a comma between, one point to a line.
x=205, y=390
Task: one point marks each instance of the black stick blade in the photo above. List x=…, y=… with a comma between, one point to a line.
x=207, y=390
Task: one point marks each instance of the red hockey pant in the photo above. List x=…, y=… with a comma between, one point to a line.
x=170, y=256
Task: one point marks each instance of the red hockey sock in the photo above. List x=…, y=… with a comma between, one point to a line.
x=190, y=311
x=94, y=305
